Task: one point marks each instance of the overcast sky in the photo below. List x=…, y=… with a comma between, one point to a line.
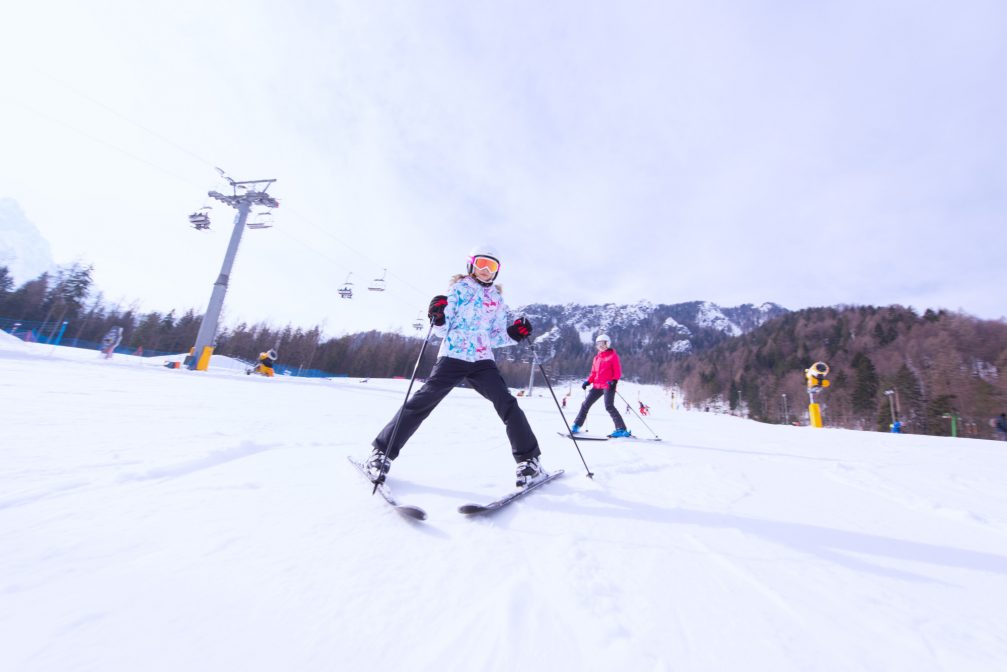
x=737, y=152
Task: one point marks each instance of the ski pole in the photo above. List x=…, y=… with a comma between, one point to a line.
x=534, y=357
x=630, y=407
x=412, y=379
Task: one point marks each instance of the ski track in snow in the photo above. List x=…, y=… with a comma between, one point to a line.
x=914, y=495
x=168, y=520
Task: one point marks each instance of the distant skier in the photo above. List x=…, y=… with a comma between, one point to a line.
x=644, y=409
x=472, y=319
x=111, y=341
x=605, y=374
x=1001, y=427
x=267, y=360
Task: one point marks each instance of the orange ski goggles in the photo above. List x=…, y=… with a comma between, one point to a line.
x=487, y=263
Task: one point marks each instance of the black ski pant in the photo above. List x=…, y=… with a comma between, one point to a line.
x=593, y=396
x=485, y=378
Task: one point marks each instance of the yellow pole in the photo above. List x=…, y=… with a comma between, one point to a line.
x=204, y=359
x=815, y=413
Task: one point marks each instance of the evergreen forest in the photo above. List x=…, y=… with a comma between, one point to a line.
x=943, y=371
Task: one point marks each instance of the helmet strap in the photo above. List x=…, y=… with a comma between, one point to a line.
x=484, y=284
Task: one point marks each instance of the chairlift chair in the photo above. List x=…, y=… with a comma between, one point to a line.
x=378, y=284
x=346, y=291
x=263, y=220
x=200, y=219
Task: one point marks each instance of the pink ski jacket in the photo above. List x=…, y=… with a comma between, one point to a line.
x=605, y=367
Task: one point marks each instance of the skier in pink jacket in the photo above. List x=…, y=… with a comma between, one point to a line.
x=605, y=374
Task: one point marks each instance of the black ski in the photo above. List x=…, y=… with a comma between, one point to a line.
x=476, y=509
x=580, y=437
x=411, y=512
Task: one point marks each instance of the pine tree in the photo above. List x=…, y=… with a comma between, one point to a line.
x=6, y=281
x=865, y=385
x=6, y=285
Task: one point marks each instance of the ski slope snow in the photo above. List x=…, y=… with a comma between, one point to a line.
x=162, y=519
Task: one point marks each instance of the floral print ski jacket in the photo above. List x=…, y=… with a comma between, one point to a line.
x=475, y=322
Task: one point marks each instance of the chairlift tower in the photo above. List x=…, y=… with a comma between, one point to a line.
x=536, y=361
x=244, y=195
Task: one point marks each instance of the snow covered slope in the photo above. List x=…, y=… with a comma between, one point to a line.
x=163, y=519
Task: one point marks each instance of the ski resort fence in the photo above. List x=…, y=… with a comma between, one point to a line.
x=54, y=333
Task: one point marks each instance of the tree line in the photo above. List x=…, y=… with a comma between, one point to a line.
x=68, y=295
x=936, y=365
x=645, y=344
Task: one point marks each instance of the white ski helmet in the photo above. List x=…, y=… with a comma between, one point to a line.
x=603, y=337
x=487, y=251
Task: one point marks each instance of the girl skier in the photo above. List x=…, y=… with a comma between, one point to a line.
x=605, y=374
x=472, y=319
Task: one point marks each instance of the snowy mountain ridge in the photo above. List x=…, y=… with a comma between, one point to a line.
x=646, y=335
x=23, y=249
x=679, y=328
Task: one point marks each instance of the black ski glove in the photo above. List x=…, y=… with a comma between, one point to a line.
x=520, y=330
x=611, y=384
x=436, y=311
x=586, y=384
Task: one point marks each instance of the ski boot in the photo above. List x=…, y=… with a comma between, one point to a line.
x=528, y=472
x=377, y=466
